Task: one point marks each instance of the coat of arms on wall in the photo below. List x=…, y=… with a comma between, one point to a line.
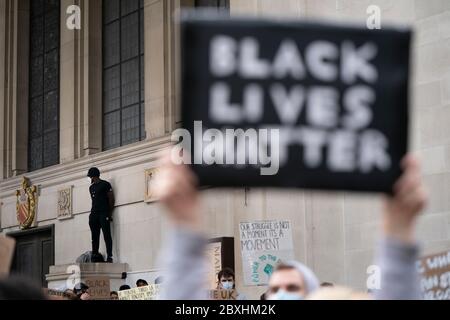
x=26, y=204
x=65, y=203
x=149, y=195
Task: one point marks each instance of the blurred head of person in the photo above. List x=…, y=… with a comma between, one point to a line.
x=338, y=293
x=81, y=290
x=124, y=287
x=69, y=294
x=291, y=281
x=326, y=284
x=141, y=283
x=113, y=295
x=226, y=279
x=16, y=287
x=263, y=296
x=159, y=280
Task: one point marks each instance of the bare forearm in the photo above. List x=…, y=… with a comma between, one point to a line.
x=111, y=207
x=111, y=202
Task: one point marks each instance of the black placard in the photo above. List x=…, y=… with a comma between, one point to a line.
x=336, y=94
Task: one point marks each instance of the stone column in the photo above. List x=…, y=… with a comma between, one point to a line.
x=2, y=86
x=20, y=118
x=81, y=82
x=285, y=8
x=174, y=66
x=15, y=87
x=156, y=60
x=69, y=84
x=91, y=101
x=247, y=7
x=7, y=85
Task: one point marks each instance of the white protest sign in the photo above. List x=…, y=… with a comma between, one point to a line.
x=435, y=276
x=263, y=245
x=214, y=257
x=149, y=292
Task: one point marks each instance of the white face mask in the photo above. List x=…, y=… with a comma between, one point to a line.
x=228, y=285
x=90, y=180
x=284, y=295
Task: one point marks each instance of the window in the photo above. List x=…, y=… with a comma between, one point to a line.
x=123, y=72
x=222, y=4
x=43, y=136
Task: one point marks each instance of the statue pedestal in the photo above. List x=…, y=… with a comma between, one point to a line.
x=66, y=276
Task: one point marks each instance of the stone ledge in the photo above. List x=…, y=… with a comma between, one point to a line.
x=123, y=157
x=110, y=270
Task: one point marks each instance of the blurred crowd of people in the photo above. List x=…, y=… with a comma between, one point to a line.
x=184, y=262
x=396, y=254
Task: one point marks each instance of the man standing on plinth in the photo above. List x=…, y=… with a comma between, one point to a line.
x=102, y=196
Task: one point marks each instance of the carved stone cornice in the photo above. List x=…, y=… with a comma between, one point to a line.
x=123, y=157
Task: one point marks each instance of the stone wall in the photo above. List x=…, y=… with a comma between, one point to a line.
x=334, y=233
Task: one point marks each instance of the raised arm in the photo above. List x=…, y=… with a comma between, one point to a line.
x=184, y=262
x=398, y=250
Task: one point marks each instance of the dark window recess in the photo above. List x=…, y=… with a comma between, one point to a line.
x=43, y=136
x=221, y=4
x=123, y=73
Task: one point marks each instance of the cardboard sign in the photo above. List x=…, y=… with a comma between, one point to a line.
x=7, y=246
x=222, y=294
x=435, y=276
x=54, y=294
x=149, y=292
x=293, y=104
x=99, y=287
x=214, y=257
x=264, y=244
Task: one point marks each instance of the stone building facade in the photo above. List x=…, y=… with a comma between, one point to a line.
x=334, y=233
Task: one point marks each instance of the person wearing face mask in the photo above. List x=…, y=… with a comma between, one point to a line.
x=102, y=196
x=291, y=280
x=396, y=256
x=226, y=281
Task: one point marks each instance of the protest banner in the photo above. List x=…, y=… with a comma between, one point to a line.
x=220, y=255
x=149, y=292
x=435, y=276
x=264, y=244
x=54, y=294
x=222, y=294
x=99, y=287
x=214, y=257
x=293, y=104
